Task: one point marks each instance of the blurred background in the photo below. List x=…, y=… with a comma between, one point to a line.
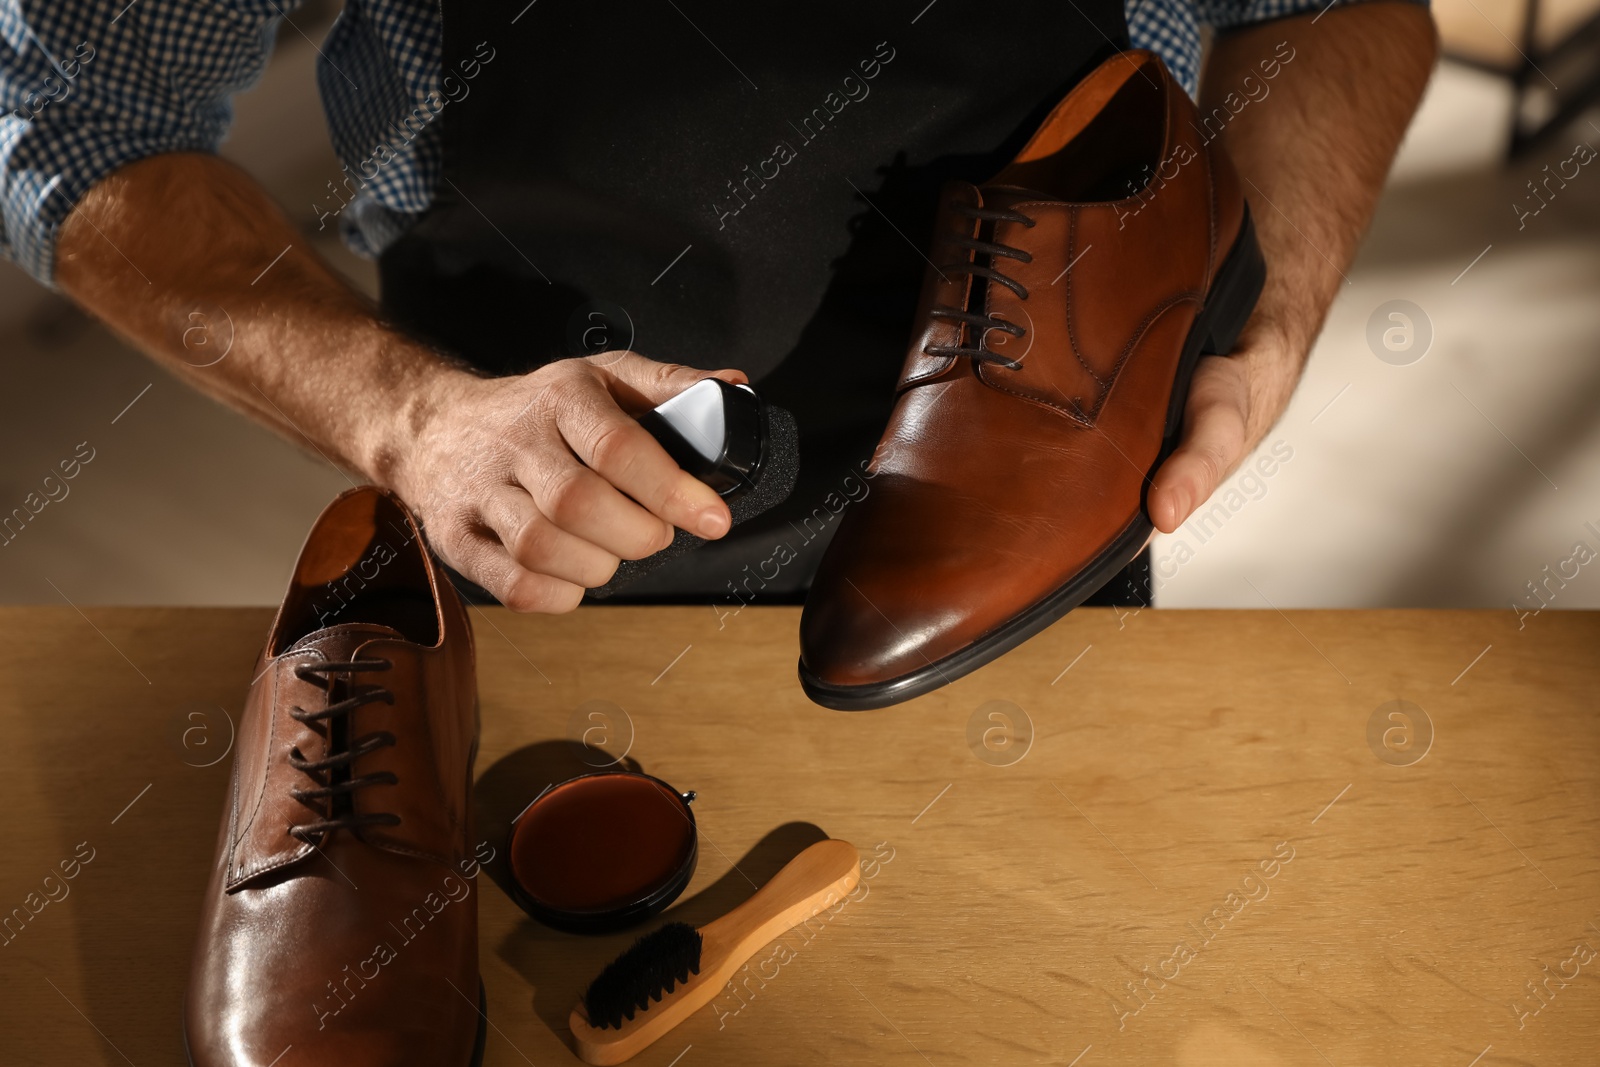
x=1443, y=449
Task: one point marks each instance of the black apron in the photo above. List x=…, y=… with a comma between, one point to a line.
x=723, y=184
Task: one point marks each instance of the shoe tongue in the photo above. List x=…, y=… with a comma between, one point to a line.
x=339, y=642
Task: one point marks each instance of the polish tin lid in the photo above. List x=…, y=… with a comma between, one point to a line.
x=602, y=852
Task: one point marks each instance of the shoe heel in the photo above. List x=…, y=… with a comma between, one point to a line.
x=1234, y=295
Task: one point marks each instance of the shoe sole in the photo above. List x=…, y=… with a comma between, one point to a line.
x=1215, y=331
x=477, y=1045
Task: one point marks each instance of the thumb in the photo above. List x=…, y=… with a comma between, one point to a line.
x=639, y=383
x=1214, y=442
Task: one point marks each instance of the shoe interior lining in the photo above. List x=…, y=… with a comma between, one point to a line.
x=1111, y=158
x=362, y=564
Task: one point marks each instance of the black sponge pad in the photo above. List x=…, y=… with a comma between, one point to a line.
x=774, y=482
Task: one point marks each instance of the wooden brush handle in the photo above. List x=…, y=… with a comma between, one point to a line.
x=812, y=882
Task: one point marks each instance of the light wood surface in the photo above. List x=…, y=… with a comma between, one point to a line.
x=1198, y=799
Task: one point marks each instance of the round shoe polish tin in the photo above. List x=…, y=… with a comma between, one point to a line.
x=602, y=852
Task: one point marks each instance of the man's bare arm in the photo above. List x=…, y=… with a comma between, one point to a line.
x=1313, y=154
x=163, y=249
x=528, y=485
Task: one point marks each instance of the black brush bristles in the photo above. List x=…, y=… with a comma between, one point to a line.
x=653, y=967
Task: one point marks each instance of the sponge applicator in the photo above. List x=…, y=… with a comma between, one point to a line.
x=725, y=435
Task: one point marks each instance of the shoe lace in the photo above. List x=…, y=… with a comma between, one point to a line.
x=336, y=813
x=980, y=350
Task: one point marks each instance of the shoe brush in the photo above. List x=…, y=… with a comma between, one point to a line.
x=672, y=973
x=728, y=437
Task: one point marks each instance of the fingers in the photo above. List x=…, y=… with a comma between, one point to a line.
x=639, y=384
x=613, y=445
x=562, y=482
x=536, y=544
x=582, y=503
x=485, y=560
x=537, y=486
x=1214, y=442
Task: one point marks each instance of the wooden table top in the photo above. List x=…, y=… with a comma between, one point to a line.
x=1216, y=847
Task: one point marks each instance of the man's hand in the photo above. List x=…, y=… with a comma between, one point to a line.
x=535, y=487
x=1312, y=145
x=1233, y=402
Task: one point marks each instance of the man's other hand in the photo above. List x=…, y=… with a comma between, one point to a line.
x=537, y=486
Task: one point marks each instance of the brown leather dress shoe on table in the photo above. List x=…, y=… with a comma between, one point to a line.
x=1065, y=306
x=341, y=925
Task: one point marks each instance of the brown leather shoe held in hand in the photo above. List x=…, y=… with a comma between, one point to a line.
x=341, y=922
x=1065, y=306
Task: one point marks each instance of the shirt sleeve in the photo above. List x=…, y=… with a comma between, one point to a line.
x=1171, y=28
x=1227, y=14
x=88, y=86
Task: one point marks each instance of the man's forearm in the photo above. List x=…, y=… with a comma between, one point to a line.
x=181, y=254
x=533, y=485
x=1314, y=142
x=1311, y=110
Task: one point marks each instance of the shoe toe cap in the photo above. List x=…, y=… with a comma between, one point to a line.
x=900, y=591
x=863, y=631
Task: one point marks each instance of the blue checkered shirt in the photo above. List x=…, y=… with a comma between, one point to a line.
x=90, y=85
